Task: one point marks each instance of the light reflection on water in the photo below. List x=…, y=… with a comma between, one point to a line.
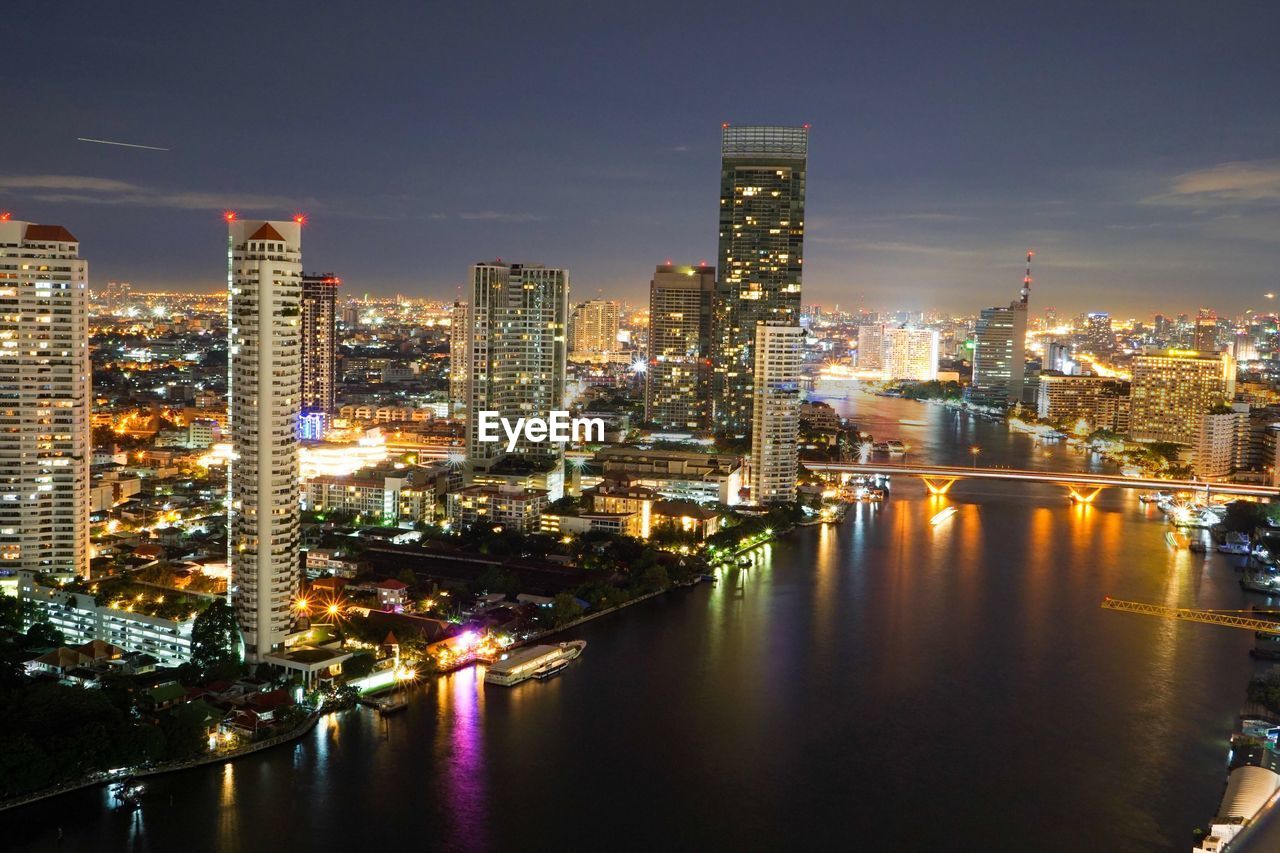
x=931, y=687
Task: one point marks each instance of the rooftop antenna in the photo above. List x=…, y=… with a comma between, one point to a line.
x=1026, y=279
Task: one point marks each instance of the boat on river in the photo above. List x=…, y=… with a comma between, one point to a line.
x=1267, y=583
x=523, y=664
x=550, y=670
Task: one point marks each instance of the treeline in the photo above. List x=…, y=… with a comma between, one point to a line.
x=932, y=390
x=60, y=734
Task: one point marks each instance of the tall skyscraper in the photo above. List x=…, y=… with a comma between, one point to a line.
x=1205, y=336
x=678, y=381
x=762, y=192
x=1172, y=389
x=775, y=429
x=1000, y=351
x=999, y=356
x=320, y=343
x=1099, y=338
x=264, y=296
x=517, y=353
x=459, y=363
x=593, y=328
x=911, y=354
x=871, y=346
x=44, y=383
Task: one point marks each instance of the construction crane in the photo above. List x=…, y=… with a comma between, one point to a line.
x=1229, y=618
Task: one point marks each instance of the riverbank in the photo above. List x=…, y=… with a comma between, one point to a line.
x=886, y=616
x=137, y=773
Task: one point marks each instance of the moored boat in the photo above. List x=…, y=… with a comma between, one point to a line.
x=523, y=664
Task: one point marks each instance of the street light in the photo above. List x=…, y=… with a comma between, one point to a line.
x=975, y=450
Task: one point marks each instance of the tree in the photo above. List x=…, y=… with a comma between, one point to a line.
x=42, y=635
x=14, y=612
x=564, y=609
x=654, y=579
x=1244, y=516
x=215, y=640
x=358, y=666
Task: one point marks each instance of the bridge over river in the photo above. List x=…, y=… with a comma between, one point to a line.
x=1082, y=486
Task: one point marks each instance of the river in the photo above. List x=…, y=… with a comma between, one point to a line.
x=883, y=684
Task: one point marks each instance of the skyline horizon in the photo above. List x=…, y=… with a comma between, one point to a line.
x=1133, y=152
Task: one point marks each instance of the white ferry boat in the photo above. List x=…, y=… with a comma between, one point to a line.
x=523, y=664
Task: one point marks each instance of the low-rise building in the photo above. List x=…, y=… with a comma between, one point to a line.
x=675, y=474
x=321, y=561
x=384, y=491
x=503, y=506
x=81, y=620
x=686, y=517
x=624, y=523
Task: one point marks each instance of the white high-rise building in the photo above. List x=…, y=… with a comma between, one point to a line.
x=871, y=346
x=264, y=291
x=775, y=422
x=459, y=365
x=911, y=354
x=517, y=352
x=44, y=400
x=593, y=328
x=1224, y=430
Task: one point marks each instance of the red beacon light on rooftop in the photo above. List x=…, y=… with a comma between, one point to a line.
x=4, y=217
x=300, y=218
x=229, y=215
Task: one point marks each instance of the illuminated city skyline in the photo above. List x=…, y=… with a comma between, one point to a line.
x=934, y=163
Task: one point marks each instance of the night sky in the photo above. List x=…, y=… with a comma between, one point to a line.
x=1135, y=146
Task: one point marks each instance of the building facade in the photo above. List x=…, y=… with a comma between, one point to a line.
x=593, y=328
x=385, y=492
x=264, y=287
x=675, y=474
x=459, y=364
x=775, y=432
x=1172, y=389
x=516, y=354
x=761, y=255
x=911, y=354
x=1221, y=441
x=320, y=343
x=1101, y=402
x=44, y=413
x=1098, y=337
x=999, y=356
x=497, y=506
x=1205, y=335
x=871, y=346
x=678, y=379
x=81, y=620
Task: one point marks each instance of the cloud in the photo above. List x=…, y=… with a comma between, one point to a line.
x=896, y=247
x=81, y=189
x=64, y=182
x=498, y=216
x=1233, y=183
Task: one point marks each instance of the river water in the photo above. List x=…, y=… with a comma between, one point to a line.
x=880, y=685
